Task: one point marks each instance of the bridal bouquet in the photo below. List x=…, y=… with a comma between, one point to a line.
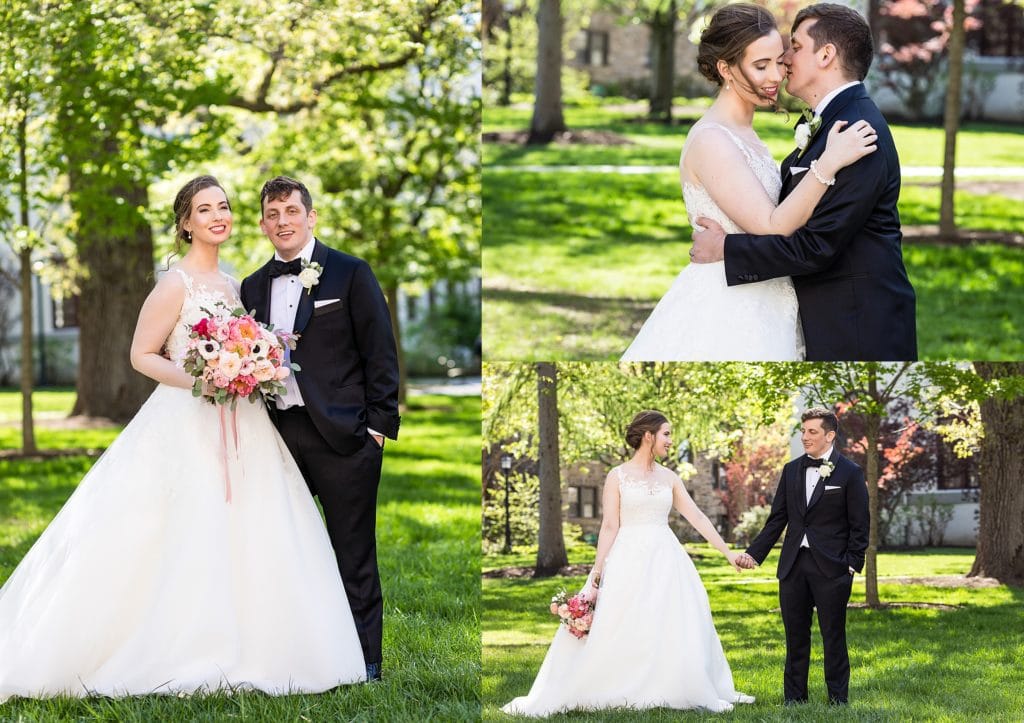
x=232, y=356
x=576, y=612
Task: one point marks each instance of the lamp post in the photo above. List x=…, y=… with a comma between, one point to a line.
x=506, y=466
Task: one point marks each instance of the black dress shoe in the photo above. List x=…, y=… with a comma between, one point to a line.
x=837, y=701
x=373, y=672
x=795, y=701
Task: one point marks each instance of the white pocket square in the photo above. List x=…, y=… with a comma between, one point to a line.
x=832, y=487
x=793, y=170
x=324, y=302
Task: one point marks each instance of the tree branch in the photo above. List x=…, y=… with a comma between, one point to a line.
x=260, y=104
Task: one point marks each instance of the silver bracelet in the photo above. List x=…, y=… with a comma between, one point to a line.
x=821, y=178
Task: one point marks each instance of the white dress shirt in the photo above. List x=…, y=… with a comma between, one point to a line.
x=285, y=294
x=823, y=103
x=811, y=479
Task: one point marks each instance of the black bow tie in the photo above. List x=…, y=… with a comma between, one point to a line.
x=811, y=462
x=283, y=268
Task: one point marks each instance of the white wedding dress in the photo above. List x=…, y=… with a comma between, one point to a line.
x=652, y=643
x=701, y=318
x=150, y=581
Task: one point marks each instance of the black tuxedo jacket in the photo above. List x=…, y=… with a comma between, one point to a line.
x=856, y=302
x=346, y=350
x=835, y=521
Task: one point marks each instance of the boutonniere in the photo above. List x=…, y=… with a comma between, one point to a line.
x=826, y=469
x=805, y=131
x=310, y=275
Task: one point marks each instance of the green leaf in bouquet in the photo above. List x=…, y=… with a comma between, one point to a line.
x=197, y=388
x=296, y=367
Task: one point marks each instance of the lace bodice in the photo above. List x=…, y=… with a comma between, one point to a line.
x=199, y=299
x=699, y=202
x=643, y=502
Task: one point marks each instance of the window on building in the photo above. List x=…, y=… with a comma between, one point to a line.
x=1001, y=32
x=582, y=502
x=65, y=313
x=596, y=52
x=718, y=479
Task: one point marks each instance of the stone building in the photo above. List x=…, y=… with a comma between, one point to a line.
x=616, y=55
x=583, y=486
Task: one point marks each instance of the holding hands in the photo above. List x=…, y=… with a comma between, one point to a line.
x=741, y=561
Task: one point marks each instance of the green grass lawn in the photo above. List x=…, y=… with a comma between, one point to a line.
x=978, y=144
x=907, y=663
x=428, y=546
x=574, y=262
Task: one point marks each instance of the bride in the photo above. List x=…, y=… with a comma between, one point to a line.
x=150, y=580
x=728, y=175
x=652, y=642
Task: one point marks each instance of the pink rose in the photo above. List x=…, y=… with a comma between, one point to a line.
x=281, y=373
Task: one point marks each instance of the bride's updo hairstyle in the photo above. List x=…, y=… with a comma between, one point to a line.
x=731, y=30
x=183, y=206
x=649, y=420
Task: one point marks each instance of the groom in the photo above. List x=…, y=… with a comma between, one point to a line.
x=856, y=302
x=822, y=503
x=343, y=402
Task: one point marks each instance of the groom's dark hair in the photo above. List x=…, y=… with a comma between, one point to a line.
x=829, y=421
x=280, y=188
x=844, y=28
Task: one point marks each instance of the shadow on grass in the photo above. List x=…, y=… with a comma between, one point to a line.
x=547, y=325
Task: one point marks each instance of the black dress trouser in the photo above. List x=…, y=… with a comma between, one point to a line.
x=804, y=589
x=346, y=486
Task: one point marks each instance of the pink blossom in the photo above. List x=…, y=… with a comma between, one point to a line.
x=263, y=370
x=281, y=373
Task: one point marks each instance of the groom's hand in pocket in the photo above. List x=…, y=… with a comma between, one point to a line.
x=708, y=241
x=379, y=439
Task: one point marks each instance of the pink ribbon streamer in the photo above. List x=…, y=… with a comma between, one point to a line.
x=224, y=448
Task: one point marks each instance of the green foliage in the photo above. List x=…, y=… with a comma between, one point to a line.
x=428, y=545
x=707, y=404
x=524, y=522
x=752, y=522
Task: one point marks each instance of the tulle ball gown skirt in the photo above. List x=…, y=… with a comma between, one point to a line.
x=652, y=643
x=701, y=318
x=150, y=581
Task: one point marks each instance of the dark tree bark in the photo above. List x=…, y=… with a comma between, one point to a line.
x=391, y=294
x=119, y=259
x=550, y=544
x=1000, y=551
x=28, y=436
x=873, y=425
x=547, y=106
x=947, y=222
x=663, y=44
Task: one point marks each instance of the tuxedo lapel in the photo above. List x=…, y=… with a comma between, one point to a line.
x=799, y=485
x=306, y=298
x=260, y=302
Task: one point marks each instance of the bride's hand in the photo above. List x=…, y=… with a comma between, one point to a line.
x=733, y=559
x=845, y=147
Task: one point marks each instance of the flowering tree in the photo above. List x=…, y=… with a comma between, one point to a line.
x=913, y=56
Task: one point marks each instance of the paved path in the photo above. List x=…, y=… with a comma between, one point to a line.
x=987, y=172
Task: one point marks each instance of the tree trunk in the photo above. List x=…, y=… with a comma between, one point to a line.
x=391, y=294
x=550, y=544
x=118, y=258
x=547, y=106
x=1000, y=551
x=872, y=426
x=506, y=69
x=663, y=43
x=947, y=222
x=28, y=436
